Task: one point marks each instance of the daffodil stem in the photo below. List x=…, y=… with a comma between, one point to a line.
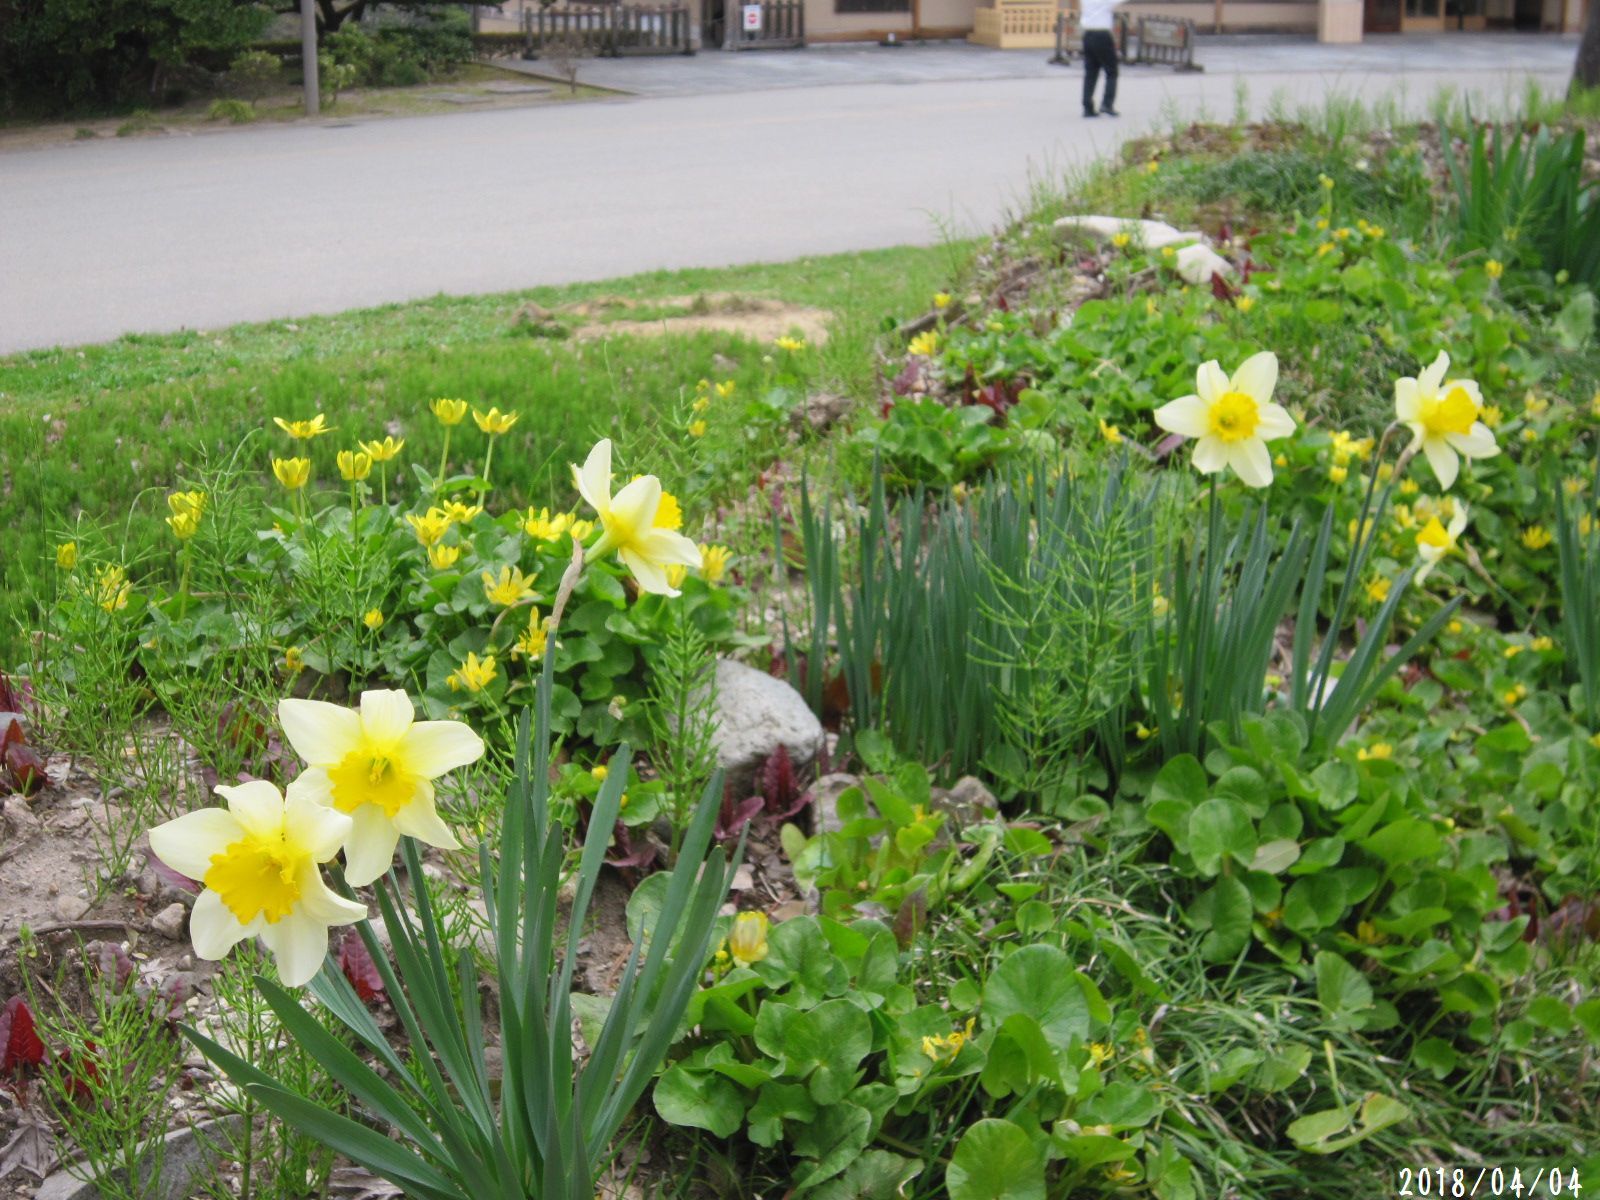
x=444, y=459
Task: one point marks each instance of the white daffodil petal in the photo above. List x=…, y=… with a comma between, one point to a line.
x=1274, y=422
x=1469, y=386
x=385, y=716
x=326, y=906
x=369, y=849
x=1407, y=400
x=1210, y=455
x=1458, y=523
x=311, y=784
x=320, y=829
x=299, y=943
x=594, y=478
x=320, y=733
x=669, y=546
x=1477, y=442
x=1257, y=376
x=1210, y=381
x=1428, y=382
x=635, y=505
x=212, y=928
x=1442, y=459
x=257, y=806
x=421, y=820
x=434, y=747
x=1188, y=416
x=651, y=578
x=188, y=843
x=1251, y=461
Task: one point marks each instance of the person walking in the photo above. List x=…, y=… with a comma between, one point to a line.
x=1099, y=54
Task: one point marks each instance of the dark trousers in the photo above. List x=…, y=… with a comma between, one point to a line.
x=1099, y=54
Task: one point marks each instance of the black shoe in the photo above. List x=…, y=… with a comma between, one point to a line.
x=1089, y=112
x=1110, y=112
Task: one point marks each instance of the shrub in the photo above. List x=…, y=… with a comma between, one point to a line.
x=237, y=112
x=253, y=74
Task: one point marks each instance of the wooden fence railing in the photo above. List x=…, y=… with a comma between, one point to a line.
x=1154, y=40
x=607, y=30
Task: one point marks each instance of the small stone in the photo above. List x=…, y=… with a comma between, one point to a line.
x=968, y=801
x=825, y=795
x=19, y=816
x=169, y=921
x=70, y=908
x=743, y=879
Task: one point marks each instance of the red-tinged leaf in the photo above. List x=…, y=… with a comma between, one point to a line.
x=20, y=1046
x=10, y=696
x=80, y=1072
x=1221, y=289
x=780, y=789
x=355, y=960
x=909, y=380
x=735, y=815
x=629, y=855
x=24, y=769
x=172, y=878
x=115, y=963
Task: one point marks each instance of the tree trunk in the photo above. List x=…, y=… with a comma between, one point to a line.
x=1586, y=72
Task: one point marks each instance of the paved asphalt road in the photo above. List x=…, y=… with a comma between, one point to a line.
x=150, y=235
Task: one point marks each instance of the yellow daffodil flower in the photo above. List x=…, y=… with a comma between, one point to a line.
x=924, y=345
x=1435, y=541
x=747, y=941
x=792, y=344
x=714, y=562
x=429, y=526
x=373, y=619
x=629, y=523
x=443, y=557
x=473, y=675
x=259, y=861
x=1444, y=419
x=449, y=412
x=1110, y=432
x=531, y=641
x=354, y=465
x=1232, y=419
x=293, y=473
x=494, y=422
x=1536, y=537
x=510, y=587
x=543, y=526
x=67, y=556
x=384, y=451
x=303, y=431
x=111, y=588
x=376, y=764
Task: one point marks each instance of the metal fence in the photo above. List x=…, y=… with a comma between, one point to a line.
x=606, y=30
x=764, y=25
x=1155, y=40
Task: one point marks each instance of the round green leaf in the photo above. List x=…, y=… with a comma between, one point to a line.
x=1218, y=828
x=699, y=1099
x=1039, y=981
x=996, y=1160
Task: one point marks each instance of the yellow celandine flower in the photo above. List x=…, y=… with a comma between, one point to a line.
x=1585, y=525
x=1150, y=168
x=383, y=451
x=543, y=526
x=581, y=530
x=303, y=431
x=1515, y=694
x=1408, y=487
x=1121, y=240
x=599, y=771
x=510, y=587
x=1403, y=516
x=630, y=523
x=449, y=412
x=187, y=502
x=714, y=562
x=1321, y=223
x=1326, y=182
x=676, y=574
x=1573, y=486
x=1378, y=589
x=1455, y=625
x=111, y=588
x=1338, y=474
x=1378, y=750
x=293, y=473
x=726, y=388
x=1245, y=303
x=1542, y=644
x=1536, y=537
x=1367, y=933
x=701, y=403
x=531, y=641
x=1512, y=651
x=1099, y=1052
x=697, y=428
x=1143, y=732
x=941, y=299
x=429, y=526
x=293, y=661
x=1535, y=405
x=1280, y=460
x=494, y=422
x=668, y=514
x=473, y=675
x=184, y=525
x=747, y=940
x=67, y=556
x=1594, y=739
x=376, y=764
x=373, y=619
x=791, y=344
x=354, y=466
x=924, y=345
x=1491, y=416
x=1530, y=435
x=461, y=514
x=1342, y=234
x=1494, y=268
x=1110, y=432
x=1233, y=419
x=1324, y=249
x=258, y=860
x=941, y=1049
x=1444, y=419
x=443, y=557
x=1435, y=541
x=1375, y=231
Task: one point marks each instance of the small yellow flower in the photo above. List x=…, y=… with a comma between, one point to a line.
x=1245, y=303
x=1375, y=231
x=580, y=530
x=1542, y=644
x=714, y=562
x=1594, y=739
x=303, y=431
x=1512, y=651
x=510, y=587
x=543, y=526
x=668, y=514
x=1408, y=487
x=1110, y=432
x=1585, y=525
x=354, y=465
x=1536, y=537
x=1325, y=249
x=1280, y=460
x=1367, y=934
x=792, y=344
x=1378, y=589
x=946, y=1048
x=725, y=389
x=1455, y=625
x=1121, y=240
x=473, y=675
x=293, y=661
x=1321, y=224
x=449, y=412
x=461, y=514
x=697, y=428
x=1338, y=474
x=1159, y=604
x=111, y=588
x=1099, y=1052
x=924, y=345
x=1573, y=485
x=184, y=524
x=187, y=502
x=941, y=299
x=67, y=556
x=1494, y=268
x=1327, y=183
x=701, y=403
x=1150, y=168
x=373, y=619
x=1491, y=416
x=1168, y=252
x=293, y=473
x=1143, y=732
x=532, y=641
x=384, y=451
x=600, y=771
x=443, y=557
x=1378, y=750
x=494, y=422
x=1341, y=235
x=1515, y=695
x=430, y=526
x=1535, y=405
x=747, y=940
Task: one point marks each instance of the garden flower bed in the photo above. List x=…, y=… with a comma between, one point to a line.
x=1191, y=784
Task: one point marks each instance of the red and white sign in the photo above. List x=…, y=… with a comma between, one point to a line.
x=752, y=18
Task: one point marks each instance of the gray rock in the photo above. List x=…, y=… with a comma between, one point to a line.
x=169, y=921
x=18, y=815
x=756, y=714
x=968, y=801
x=1152, y=235
x=825, y=795
x=69, y=907
x=189, y=1157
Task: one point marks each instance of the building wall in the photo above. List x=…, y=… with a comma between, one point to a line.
x=1239, y=16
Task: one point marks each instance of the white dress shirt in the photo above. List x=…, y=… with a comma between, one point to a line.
x=1096, y=14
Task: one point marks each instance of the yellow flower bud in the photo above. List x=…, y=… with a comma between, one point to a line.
x=747, y=941
x=354, y=465
x=67, y=555
x=293, y=473
x=373, y=619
